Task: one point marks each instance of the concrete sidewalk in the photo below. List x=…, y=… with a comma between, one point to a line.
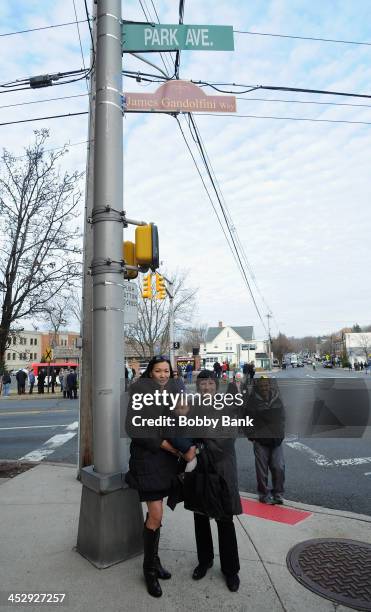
x=39, y=512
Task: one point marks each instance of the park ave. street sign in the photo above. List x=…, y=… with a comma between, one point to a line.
x=165, y=37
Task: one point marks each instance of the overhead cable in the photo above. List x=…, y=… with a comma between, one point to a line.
x=248, y=88
x=43, y=118
x=235, y=116
x=57, y=25
x=330, y=40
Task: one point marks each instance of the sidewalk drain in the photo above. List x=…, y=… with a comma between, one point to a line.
x=337, y=569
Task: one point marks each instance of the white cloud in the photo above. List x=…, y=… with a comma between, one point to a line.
x=298, y=192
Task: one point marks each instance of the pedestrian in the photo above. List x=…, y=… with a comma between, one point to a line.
x=361, y=366
x=6, y=382
x=72, y=384
x=41, y=381
x=61, y=379
x=153, y=465
x=266, y=409
x=31, y=380
x=217, y=369
x=21, y=377
x=52, y=379
x=222, y=454
x=189, y=370
x=251, y=372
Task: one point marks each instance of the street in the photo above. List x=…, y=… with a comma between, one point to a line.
x=330, y=472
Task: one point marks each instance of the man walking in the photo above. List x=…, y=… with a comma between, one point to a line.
x=31, y=380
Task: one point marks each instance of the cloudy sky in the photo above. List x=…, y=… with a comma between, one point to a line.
x=298, y=192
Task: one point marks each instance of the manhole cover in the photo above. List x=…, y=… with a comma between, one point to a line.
x=337, y=569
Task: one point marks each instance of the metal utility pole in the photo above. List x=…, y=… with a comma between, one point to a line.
x=171, y=329
x=269, y=316
x=85, y=453
x=111, y=519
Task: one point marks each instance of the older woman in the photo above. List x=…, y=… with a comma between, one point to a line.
x=153, y=466
x=222, y=454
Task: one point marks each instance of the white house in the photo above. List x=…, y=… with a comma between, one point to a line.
x=234, y=344
x=358, y=346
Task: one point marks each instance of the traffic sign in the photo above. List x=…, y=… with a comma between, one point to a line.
x=173, y=37
x=176, y=345
x=48, y=354
x=130, y=303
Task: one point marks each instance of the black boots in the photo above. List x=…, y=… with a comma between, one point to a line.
x=152, y=567
x=161, y=571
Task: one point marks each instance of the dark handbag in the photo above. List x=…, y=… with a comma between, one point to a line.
x=205, y=491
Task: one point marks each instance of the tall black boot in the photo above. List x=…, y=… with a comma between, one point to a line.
x=161, y=571
x=150, y=541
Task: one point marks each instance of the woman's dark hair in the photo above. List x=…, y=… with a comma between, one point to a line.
x=154, y=361
x=207, y=374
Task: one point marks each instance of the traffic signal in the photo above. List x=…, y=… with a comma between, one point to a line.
x=160, y=287
x=147, y=286
x=128, y=255
x=146, y=246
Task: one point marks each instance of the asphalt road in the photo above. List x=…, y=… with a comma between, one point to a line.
x=332, y=472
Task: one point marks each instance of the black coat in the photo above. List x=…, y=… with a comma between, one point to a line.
x=150, y=467
x=223, y=455
x=269, y=418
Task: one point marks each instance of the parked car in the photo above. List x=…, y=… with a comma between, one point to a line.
x=276, y=363
x=300, y=364
x=327, y=364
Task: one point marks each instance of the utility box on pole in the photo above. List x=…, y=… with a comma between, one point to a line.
x=111, y=520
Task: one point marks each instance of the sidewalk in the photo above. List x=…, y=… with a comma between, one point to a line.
x=39, y=512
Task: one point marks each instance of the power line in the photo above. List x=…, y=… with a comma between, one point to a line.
x=232, y=248
x=235, y=116
x=41, y=101
x=67, y=145
x=232, y=227
x=208, y=193
x=43, y=118
x=201, y=149
x=80, y=43
x=89, y=24
x=149, y=20
x=304, y=102
x=57, y=25
x=217, y=86
x=331, y=40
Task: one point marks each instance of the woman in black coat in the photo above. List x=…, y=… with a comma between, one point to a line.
x=153, y=464
x=223, y=456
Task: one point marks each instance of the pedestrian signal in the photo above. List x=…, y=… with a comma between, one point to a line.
x=160, y=287
x=128, y=255
x=147, y=287
x=146, y=246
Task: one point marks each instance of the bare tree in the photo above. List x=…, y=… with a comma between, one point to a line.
x=151, y=334
x=39, y=247
x=193, y=337
x=281, y=345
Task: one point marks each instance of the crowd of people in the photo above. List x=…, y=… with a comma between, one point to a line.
x=65, y=379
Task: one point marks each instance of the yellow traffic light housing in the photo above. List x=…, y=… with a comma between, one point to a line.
x=128, y=255
x=147, y=246
x=147, y=286
x=160, y=287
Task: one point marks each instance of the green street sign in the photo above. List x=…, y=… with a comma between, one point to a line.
x=165, y=37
